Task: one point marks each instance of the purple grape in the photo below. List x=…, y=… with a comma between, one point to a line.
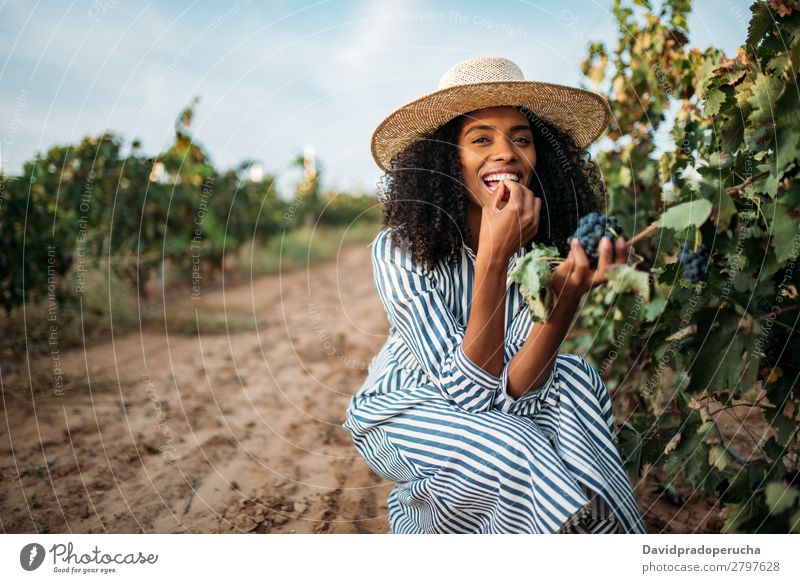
x=695, y=263
x=591, y=229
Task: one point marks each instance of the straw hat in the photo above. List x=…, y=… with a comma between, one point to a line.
x=486, y=82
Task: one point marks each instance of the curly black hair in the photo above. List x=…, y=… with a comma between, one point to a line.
x=425, y=200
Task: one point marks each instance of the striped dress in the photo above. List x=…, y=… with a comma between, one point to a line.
x=466, y=456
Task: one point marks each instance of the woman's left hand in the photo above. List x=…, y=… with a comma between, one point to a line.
x=574, y=276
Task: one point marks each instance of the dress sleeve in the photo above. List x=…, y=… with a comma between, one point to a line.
x=530, y=402
x=416, y=308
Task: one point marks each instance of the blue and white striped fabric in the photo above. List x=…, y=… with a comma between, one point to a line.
x=465, y=456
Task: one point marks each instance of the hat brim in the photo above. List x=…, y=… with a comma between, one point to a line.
x=582, y=114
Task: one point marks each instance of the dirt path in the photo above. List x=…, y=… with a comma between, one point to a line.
x=212, y=433
x=218, y=432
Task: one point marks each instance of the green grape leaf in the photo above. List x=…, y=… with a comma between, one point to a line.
x=655, y=307
x=788, y=146
x=719, y=160
x=687, y=214
x=725, y=212
x=718, y=457
x=718, y=363
x=759, y=24
x=778, y=63
x=694, y=453
x=714, y=100
x=767, y=185
x=626, y=278
x=724, y=207
x=785, y=429
x=629, y=443
x=740, y=487
x=732, y=132
x=532, y=272
x=791, y=196
x=766, y=92
x=773, y=449
x=779, y=497
x=783, y=229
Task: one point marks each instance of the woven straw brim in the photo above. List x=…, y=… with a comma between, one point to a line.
x=582, y=114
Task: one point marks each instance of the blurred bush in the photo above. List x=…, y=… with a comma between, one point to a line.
x=94, y=226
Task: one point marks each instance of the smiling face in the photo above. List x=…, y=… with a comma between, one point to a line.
x=495, y=143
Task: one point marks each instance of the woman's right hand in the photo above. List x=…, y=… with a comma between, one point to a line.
x=574, y=276
x=510, y=221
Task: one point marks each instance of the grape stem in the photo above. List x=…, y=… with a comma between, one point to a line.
x=746, y=183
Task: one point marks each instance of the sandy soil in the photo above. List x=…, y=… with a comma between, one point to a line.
x=222, y=432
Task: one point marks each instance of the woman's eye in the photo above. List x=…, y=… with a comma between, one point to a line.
x=525, y=141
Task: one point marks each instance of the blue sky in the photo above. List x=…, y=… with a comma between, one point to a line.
x=274, y=77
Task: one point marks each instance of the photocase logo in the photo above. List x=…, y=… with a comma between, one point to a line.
x=31, y=556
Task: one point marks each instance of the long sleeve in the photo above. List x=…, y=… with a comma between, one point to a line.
x=416, y=308
x=531, y=402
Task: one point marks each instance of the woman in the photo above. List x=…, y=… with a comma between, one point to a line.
x=468, y=407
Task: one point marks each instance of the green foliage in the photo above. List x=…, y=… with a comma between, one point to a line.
x=682, y=358
x=685, y=215
x=532, y=272
x=628, y=279
x=80, y=209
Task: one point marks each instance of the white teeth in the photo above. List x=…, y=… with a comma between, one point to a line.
x=493, y=177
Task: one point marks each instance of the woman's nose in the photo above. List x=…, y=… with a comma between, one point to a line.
x=504, y=150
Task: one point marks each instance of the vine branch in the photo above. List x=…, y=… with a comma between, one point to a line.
x=781, y=311
x=746, y=183
x=642, y=234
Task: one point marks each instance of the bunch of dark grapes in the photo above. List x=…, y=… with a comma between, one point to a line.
x=695, y=263
x=592, y=228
